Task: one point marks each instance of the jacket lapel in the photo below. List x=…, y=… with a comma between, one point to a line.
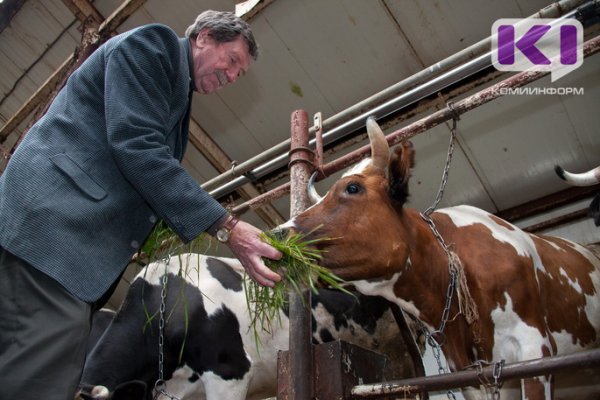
x=184, y=126
x=184, y=123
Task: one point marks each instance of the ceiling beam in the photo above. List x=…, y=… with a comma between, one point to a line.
x=36, y=99
x=83, y=9
x=547, y=203
x=247, y=10
x=8, y=9
x=221, y=162
x=119, y=16
x=40, y=97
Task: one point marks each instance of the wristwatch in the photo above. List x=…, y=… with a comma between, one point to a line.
x=224, y=232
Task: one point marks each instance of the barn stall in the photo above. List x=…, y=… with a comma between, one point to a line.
x=400, y=60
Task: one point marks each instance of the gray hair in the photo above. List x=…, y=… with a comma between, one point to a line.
x=223, y=26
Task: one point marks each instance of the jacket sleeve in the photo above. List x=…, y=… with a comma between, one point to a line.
x=143, y=98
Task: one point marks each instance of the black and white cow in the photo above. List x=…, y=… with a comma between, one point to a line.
x=212, y=353
x=100, y=321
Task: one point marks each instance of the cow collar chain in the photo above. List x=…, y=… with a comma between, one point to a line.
x=455, y=269
x=457, y=277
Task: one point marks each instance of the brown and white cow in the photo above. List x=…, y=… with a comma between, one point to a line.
x=535, y=296
x=589, y=178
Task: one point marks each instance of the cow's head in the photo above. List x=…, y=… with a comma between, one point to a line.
x=362, y=214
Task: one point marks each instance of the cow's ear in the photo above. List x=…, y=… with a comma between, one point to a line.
x=401, y=163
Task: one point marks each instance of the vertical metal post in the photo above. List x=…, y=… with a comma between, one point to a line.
x=300, y=350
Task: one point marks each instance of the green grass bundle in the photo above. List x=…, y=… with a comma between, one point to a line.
x=163, y=243
x=299, y=268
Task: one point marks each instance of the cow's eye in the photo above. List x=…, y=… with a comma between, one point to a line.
x=353, y=188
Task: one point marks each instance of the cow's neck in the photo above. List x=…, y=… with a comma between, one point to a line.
x=421, y=285
x=426, y=284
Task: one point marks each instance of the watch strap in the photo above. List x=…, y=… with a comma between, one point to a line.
x=228, y=221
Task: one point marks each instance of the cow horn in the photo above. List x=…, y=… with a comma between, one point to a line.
x=589, y=178
x=312, y=192
x=380, y=150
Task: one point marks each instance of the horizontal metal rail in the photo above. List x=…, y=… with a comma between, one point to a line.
x=460, y=107
x=525, y=369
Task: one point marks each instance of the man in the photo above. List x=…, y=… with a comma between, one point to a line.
x=91, y=179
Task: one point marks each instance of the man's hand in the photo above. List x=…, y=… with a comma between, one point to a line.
x=246, y=245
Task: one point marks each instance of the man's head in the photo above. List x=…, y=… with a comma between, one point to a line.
x=223, y=47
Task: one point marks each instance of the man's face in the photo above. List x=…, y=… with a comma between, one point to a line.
x=217, y=64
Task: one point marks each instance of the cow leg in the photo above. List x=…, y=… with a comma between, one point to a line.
x=537, y=388
x=218, y=388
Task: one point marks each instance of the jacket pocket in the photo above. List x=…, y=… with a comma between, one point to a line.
x=79, y=176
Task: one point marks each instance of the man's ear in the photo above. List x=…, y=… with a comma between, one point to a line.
x=203, y=37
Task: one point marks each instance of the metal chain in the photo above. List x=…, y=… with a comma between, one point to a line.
x=497, y=383
x=440, y=194
x=160, y=386
x=436, y=349
x=496, y=373
x=436, y=345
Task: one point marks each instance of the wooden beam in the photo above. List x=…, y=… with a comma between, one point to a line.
x=547, y=203
x=36, y=99
x=221, y=162
x=119, y=16
x=40, y=96
x=8, y=9
x=208, y=147
x=247, y=10
x=83, y=9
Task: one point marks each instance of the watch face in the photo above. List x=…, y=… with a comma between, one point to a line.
x=223, y=235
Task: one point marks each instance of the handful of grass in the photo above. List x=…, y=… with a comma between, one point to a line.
x=163, y=242
x=299, y=269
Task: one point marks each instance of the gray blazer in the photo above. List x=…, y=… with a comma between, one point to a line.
x=89, y=181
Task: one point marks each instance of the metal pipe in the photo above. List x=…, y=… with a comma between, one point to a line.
x=484, y=96
x=352, y=118
x=525, y=369
x=547, y=203
x=558, y=221
x=300, y=339
x=478, y=99
x=381, y=111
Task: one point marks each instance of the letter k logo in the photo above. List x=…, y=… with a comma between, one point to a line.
x=537, y=44
x=506, y=41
